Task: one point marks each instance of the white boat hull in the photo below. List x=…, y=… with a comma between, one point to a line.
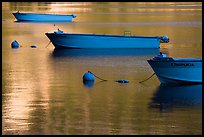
x=96, y=41
x=178, y=70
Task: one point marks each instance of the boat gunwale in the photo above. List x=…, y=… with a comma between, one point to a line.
x=105, y=35
x=16, y=13
x=196, y=60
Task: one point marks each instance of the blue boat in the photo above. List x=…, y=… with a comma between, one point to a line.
x=35, y=17
x=99, y=41
x=177, y=70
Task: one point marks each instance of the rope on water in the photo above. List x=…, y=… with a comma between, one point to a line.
x=97, y=76
x=147, y=78
x=119, y=81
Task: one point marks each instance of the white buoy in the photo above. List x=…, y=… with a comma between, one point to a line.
x=14, y=44
x=88, y=77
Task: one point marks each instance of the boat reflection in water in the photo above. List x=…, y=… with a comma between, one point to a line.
x=103, y=52
x=88, y=83
x=171, y=96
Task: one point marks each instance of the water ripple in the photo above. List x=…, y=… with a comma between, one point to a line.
x=180, y=23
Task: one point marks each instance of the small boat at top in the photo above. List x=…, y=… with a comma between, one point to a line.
x=36, y=17
x=99, y=41
x=177, y=70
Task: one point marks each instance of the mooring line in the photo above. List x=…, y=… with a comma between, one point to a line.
x=119, y=81
x=147, y=78
x=97, y=76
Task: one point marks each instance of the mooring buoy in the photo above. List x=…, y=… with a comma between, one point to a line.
x=88, y=76
x=122, y=81
x=119, y=81
x=14, y=44
x=125, y=81
x=33, y=46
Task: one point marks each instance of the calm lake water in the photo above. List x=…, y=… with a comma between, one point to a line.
x=43, y=91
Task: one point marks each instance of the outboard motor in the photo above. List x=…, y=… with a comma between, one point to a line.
x=164, y=39
x=162, y=57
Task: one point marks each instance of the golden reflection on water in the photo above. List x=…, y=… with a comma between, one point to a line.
x=22, y=93
x=44, y=94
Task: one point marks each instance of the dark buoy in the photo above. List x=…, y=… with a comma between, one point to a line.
x=122, y=81
x=88, y=76
x=14, y=44
x=126, y=81
x=33, y=46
